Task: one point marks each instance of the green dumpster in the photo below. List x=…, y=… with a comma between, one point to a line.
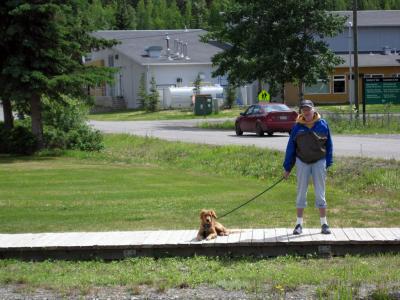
x=202, y=105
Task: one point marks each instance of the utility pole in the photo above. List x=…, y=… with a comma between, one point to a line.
x=355, y=45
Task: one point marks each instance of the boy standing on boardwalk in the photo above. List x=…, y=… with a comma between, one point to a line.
x=310, y=149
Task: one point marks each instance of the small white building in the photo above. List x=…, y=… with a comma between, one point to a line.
x=173, y=57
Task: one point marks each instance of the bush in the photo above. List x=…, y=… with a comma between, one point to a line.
x=66, y=128
x=18, y=140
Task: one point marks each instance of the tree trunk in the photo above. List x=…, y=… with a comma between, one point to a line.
x=301, y=91
x=7, y=111
x=36, y=115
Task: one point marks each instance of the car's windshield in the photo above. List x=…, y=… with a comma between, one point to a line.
x=276, y=107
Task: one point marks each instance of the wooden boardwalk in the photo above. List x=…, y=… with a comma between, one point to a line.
x=256, y=242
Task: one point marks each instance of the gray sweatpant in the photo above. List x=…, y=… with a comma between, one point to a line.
x=318, y=172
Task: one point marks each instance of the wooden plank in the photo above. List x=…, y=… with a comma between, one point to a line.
x=69, y=239
x=188, y=237
x=23, y=240
x=396, y=232
x=269, y=235
x=151, y=238
x=340, y=235
x=352, y=234
x=46, y=240
x=304, y=237
x=258, y=236
x=222, y=240
x=246, y=236
x=363, y=234
x=175, y=237
x=121, y=238
x=387, y=233
x=376, y=234
x=163, y=237
x=234, y=238
x=281, y=235
x=317, y=236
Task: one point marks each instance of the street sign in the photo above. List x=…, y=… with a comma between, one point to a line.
x=264, y=96
x=382, y=90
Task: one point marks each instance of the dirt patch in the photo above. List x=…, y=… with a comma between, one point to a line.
x=14, y=292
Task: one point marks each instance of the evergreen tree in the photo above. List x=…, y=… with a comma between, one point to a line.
x=124, y=15
x=197, y=84
x=98, y=16
x=141, y=15
x=339, y=5
x=199, y=14
x=44, y=43
x=255, y=30
x=148, y=17
x=174, y=19
x=230, y=95
x=218, y=7
x=154, y=97
x=188, y=14
x=396, y=4
x=159, y=14
x=142, y=91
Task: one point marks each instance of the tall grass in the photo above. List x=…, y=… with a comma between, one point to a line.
x=145, y=183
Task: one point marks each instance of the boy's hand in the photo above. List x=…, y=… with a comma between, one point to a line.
x=286, y=174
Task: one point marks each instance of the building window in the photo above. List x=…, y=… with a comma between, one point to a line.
x=321, y=87
x=339, y=84
x=111, y=60
x=373, y=76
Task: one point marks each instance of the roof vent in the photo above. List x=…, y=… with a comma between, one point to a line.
x=386, y=50
x=185, y=51
x=153, y=51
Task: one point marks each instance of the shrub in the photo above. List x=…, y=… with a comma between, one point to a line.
x=18, y=140
x=66, y=128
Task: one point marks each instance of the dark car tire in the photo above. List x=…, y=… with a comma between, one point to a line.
x=238, y=130
x=259, y=130
x=270, y=133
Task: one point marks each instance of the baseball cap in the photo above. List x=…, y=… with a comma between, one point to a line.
x=306, y=103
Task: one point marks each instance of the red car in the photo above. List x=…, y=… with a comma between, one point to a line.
x=268, y=117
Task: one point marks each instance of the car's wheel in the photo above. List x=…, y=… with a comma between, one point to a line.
x=238, y=130
x=270, y=133
x=259, y=130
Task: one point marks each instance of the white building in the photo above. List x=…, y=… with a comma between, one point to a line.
x=173, y=57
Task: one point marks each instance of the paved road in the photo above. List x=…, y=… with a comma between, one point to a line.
x=382, y=146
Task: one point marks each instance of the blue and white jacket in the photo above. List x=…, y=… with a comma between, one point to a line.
x=309, y=144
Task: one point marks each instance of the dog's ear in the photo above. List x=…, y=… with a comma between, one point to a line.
x=202, y=213
x=213, y=213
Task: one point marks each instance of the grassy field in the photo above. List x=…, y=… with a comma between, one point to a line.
x=173, y=114
x=369, y=108
x=338, y=124
x=145, y=183
x=176, y=114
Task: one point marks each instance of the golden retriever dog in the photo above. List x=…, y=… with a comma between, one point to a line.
x=209, y=228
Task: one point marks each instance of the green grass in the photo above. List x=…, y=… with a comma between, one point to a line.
x=145, y=183
x=340, y=276
x=337, y=126
x=176, y=114
x=369, y=108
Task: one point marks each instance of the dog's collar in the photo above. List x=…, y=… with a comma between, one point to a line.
x=207, y=226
